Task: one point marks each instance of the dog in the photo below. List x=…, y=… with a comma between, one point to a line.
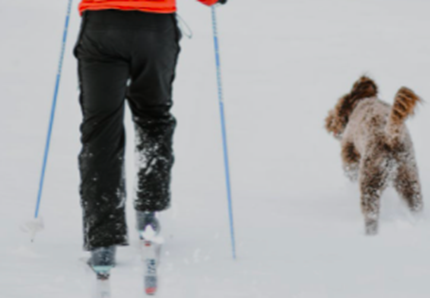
x=376, y=146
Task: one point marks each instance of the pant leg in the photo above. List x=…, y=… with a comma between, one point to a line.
x=155, y=53
x=103, y=78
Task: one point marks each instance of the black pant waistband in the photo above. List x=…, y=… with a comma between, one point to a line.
x=124, y=19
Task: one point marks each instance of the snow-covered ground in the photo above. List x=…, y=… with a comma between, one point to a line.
x=298, y=222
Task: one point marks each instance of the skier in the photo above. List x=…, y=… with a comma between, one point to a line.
x=127, y=49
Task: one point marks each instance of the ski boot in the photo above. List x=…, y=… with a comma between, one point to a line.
x=148, y=225
x=102, y=261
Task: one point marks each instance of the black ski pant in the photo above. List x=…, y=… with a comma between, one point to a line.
x=124, y=55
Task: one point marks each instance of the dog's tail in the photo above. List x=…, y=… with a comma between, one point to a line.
x=404, y=106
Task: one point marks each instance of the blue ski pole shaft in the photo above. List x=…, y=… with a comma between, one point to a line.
x=223, y=129
x=54, y=104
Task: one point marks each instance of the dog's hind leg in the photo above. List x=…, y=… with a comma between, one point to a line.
x=408, y=186
x=350, y=160
x=373, y=180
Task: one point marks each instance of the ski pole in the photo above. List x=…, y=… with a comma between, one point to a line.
x=54, y=104
x=223, y=129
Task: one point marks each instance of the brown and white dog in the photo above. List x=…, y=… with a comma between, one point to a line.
x=376, y=146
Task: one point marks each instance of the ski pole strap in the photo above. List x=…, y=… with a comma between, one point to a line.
x=184, y=27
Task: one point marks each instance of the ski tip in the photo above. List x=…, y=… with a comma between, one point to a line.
x=151, y=291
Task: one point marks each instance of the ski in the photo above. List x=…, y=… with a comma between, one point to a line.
x=102, y=287
x=100, y=283
x=150, y=254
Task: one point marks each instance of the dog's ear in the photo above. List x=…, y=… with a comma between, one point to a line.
x=363, y=88
x=337, y=118
x=330, y=125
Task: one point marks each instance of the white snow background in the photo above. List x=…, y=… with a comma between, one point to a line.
x=298, y=223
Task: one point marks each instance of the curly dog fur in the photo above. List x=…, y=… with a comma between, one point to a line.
x=376, y=146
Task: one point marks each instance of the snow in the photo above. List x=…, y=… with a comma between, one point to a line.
x=299, y=230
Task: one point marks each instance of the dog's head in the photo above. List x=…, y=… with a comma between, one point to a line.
x=338, y=118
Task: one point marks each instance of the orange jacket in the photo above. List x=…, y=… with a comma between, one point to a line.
x=155, y=6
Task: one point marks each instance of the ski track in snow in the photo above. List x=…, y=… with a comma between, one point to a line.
x=299, y=229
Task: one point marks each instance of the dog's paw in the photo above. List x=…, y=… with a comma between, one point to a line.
x=351, y=172
x=417, y=215
x=371, y=227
